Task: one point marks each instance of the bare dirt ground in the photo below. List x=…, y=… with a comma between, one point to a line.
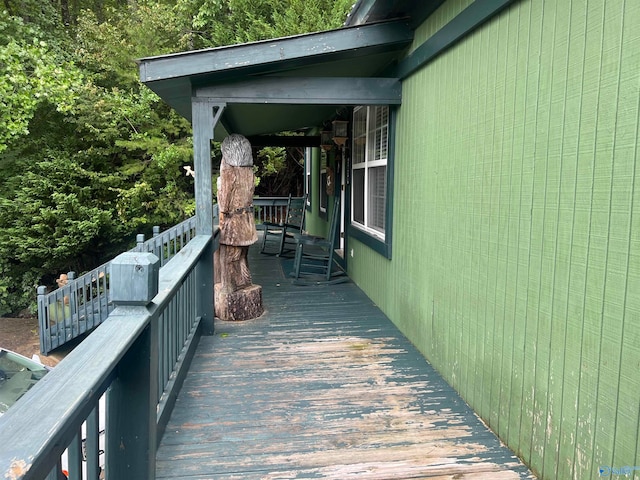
x=21, y=336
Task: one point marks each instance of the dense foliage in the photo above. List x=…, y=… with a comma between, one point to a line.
x=88, y=156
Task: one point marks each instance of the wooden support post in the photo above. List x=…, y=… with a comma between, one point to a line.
x=45, y=336
x=132, y=400
x=205, y=116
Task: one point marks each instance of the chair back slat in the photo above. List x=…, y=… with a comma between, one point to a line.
x=335, y=217
x=286, y=231
x=296, y=212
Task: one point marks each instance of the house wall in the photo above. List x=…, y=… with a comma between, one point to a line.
x=516, y=239
x=315, y=222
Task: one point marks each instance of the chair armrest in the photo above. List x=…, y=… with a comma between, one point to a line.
x=290, y=225
x=311, y=240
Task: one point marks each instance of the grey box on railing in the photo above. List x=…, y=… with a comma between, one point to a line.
x=134, y=278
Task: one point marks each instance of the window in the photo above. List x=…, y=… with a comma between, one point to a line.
x=370, y=151
x=307, y=172
x=324, y=200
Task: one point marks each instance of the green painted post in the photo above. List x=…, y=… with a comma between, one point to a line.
x=204, y=120
x=45, y=338
x=133, y=396
x=73, y=311
x=139, y=241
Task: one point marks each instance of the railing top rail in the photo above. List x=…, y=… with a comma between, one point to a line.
x=61, y=401
x=271, y=200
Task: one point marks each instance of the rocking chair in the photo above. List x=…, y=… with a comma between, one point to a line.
x=313, y=262
x=284, y=233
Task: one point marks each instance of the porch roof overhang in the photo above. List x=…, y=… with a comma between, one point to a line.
x=289, y=83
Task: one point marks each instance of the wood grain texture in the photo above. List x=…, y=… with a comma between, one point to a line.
x=321, y=386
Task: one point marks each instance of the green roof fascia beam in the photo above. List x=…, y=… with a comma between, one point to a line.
x=475, y=15
x=292, y=51
x=307, y=91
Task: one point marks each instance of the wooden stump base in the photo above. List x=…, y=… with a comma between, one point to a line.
x=244, y=304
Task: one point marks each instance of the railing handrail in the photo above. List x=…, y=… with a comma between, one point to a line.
x=270, y=200
x=36, y=430
x=64, y=300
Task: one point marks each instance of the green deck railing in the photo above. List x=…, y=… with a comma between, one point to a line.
x=137, y=359
x=270, y=209
x=83, y=304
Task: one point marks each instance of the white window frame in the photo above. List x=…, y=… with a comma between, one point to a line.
x=323, y=198
x=367, y=154
x=307, y=172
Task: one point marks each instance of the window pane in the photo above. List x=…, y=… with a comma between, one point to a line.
x=323, y=190
x=378, y=127
x=359, y=135
x=369, y=171
x=307, y=168
x=358, y=196
x=376, y=196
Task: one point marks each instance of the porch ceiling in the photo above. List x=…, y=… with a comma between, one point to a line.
x=289, y=83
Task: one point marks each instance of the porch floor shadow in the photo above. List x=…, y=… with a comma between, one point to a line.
x=323, y=385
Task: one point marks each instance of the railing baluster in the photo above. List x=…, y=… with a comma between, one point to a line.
x=43, y=315
x=92, y=445
x=166, y=361
x=74, y=457
x=54, y=474
x=174, y=330
x=87, y=305
x=140, y=242
x=72, y=329
x=87, y=299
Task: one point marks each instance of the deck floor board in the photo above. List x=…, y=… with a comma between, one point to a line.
x=321, y=386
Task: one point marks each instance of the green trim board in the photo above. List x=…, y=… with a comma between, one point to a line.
x=479, y=12
x=281, y=53
x=307, y=91
x=368, y=11
x=299, y=141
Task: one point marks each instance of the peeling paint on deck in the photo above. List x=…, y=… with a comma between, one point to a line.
x=323, y=386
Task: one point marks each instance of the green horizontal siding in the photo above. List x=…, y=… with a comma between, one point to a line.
x=516, y=261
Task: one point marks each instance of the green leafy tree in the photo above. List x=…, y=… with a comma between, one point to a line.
x=224, y=22
x=33, y=73
x=49, y=224
x=88, y=156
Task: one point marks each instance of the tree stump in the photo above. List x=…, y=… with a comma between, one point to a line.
x=243, y=304
x=236, y=298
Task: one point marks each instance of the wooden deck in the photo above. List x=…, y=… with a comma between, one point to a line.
x=322, y=386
